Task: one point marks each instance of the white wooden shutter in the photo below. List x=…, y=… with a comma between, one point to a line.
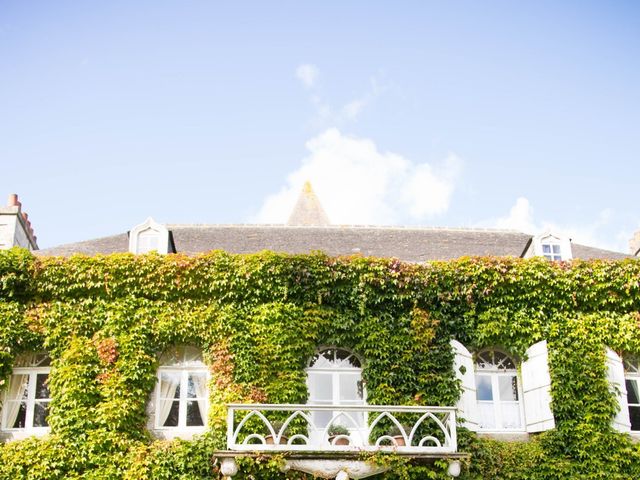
x=536, y=389
x=615, y=375
x=464, y=370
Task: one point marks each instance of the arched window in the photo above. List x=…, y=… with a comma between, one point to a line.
x=632, y=382
x=497, y=391
x=181, y=391
x=552, y=246
x=26, y=399
x=149, y=236
x=334, y=377
x=488, y=402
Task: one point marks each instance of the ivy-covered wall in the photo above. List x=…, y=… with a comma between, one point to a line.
x=258, y=318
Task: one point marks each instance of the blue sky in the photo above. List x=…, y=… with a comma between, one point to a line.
x=505, y=114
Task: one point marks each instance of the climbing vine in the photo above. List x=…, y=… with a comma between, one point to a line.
x=258, y=319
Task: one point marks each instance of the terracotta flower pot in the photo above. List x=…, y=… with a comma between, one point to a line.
x=399, y=440
x=269, y=439
x=339, y=440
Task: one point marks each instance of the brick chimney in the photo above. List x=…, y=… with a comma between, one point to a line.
x=634, y=244
x=15, y=227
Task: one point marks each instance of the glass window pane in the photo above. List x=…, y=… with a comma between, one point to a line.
x=631, y=364
x=147, y=241
x=32, y=360
x=508, y=387
x=350, y=388
x=504, y=362
x=546, y=248
x=320, y=386
x=172, y=417
x=194, y=418
x=21, y=415
x=556, y=249
x=354, y=362
x=197, y=386
x=487, y=416
x=170, y=384
x=192, y=357
x=40, y=414
x=484, y=360
x=632, y=391
x=510, y=415
x=634, y=414
x=42, y=387
x=18, y=387
x=322, y=418
x=329, y=354
x=342, y=355
x=348, y=419
x=483, y=387
x=182, y=356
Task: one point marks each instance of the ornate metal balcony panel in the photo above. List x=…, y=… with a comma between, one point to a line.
x=370, y=428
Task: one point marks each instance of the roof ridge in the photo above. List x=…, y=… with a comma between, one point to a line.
x=344, y=226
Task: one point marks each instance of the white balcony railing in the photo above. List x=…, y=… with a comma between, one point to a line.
x=307, y=428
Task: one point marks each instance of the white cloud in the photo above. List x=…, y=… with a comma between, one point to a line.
x=352, y=109
x=520, y=217
x=358, y=184
x=325, y=114
x=596, y=233
x=307, y=73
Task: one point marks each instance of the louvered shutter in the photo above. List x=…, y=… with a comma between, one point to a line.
x=536, y=389
x=464, y=370
x=615, y=375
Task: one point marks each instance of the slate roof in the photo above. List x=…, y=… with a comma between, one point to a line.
x=410, y=244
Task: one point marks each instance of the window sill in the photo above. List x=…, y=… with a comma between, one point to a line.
x=182, y=433
x=21, y=434
x=505, y=435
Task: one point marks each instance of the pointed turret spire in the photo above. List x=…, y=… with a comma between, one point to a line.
x=308, y=210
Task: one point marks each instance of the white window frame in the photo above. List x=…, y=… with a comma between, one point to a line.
x=632, y=374
x=494, y=374
x=182, y=401
x=182, y=361
x=29, y=429
x=552, y=239
x=336, y=373
x=149, y=225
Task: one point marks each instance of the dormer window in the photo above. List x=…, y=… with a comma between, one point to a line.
x=552, y=247
x=149, y=236
x=551, y=251
x=147, y=241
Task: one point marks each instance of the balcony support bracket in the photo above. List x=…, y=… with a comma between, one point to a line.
x=334, y=465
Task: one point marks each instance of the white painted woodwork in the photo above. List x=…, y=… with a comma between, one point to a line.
x=615, y=375
x=464, y=369
x=536, y=389
x=147, y=236
x=440, y=436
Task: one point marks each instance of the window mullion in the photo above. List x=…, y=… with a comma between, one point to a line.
x=182, y=404
x=31, y=394
x=335, y=387
x=497, y=410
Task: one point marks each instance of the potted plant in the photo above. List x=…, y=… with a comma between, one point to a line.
x=338, y=435
x=277, y=426
x=397, y=436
